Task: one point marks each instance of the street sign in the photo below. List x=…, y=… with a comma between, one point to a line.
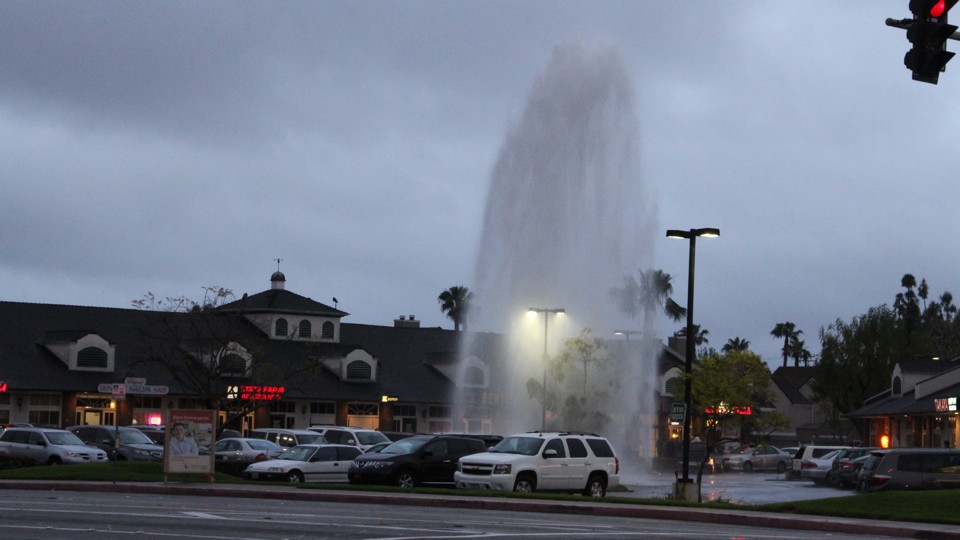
x=147, y=389
x=678, y=411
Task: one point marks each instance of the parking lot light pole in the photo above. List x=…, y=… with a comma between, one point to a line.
x=543, y=399
x=690, y=235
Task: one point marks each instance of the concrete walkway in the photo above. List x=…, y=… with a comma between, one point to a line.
x=704, y=515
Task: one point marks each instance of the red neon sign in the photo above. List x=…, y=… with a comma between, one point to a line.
x=3, y=386
x=256, y=393
x=723, y=409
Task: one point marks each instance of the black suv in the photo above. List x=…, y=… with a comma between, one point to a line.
x=415, y=460
x=134, y=444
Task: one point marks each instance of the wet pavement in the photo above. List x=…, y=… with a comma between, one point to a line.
x=732, y=487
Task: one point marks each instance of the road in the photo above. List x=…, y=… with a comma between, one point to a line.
x=62, y=514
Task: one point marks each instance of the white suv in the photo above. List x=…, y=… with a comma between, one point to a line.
x=49, y=446
x=537, y=461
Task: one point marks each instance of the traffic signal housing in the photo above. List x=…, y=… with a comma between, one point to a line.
x=928, y=33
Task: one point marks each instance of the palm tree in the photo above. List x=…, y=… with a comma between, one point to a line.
x=736, y=344
x=799, y=352
x=787, y=331
x=699, y=336
x=455, y=303
x=651, y=294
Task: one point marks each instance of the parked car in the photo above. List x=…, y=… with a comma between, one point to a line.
x=360, y=437
x=415, y=460
x=526, y=462
x=153, y=432
x=812, y=451
x=910, y=468
x=288, y=438
x=488, y=440
x=397, y=435
x=759, y=458
x=134, y=444
x=846, y=466
x=306, y=463
x=816, y=469
x=49, y=446
x=246, y=450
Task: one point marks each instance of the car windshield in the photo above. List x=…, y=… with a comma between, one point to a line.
x=133, y=436
x=527, y=446
x=56, y=437
x=405, y=446
x=371, y=437
x=266, y=446
x=298, y=453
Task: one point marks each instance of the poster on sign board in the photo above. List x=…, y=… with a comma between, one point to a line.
x=186, y=433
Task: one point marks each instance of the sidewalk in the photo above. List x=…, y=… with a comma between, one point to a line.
x=704, y=515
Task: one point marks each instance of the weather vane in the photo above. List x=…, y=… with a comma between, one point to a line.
x=278, y=264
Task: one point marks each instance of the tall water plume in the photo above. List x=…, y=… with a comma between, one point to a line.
x=567, y=217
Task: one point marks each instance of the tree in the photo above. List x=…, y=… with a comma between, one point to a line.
x=799, y=352
x=736, y=344
x=209, y=353
x=857, y=357
x=727, y=386
x=786, y=331
x=649, y=295
x=699, y=336
x=579, y=394
x=455, y=303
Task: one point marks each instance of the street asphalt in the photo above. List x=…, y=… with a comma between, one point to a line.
x=705, y=515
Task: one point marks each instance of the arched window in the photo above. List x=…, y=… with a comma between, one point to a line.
x=671, y=386
x=359, y=370
x=897, y=386
x=305, y=328
x=92, y=357
x=326, y=331
x=281, y=327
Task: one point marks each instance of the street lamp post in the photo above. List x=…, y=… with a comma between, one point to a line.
x=543, y=399
x=690, y=235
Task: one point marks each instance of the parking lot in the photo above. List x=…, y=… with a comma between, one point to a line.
x=734, y=487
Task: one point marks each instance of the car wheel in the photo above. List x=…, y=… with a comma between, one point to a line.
x=406, y=479
x=525, y=484
x=121, y=457
x=295, y=477
x=747, y=466
x=596, y=486
x=54, y=460
x=781, y=467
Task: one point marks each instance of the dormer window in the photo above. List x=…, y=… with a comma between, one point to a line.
x=305, y=328
x=233, y=360
x=326, y=331
x=81, y=350
x=897, y=386
x=280, y=328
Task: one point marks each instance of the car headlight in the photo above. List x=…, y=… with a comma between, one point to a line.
x=71, y=453
x=502, y=468
x=141, y=452
x=276, y=469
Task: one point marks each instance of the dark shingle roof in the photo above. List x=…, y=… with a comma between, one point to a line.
x=790, y=380
x=281, y=301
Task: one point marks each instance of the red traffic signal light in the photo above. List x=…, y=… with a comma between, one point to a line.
x=928, y=33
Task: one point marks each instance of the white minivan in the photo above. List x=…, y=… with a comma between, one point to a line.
x=288, y=438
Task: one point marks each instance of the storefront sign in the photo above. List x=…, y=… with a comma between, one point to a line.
x=255, y=393
x=726, y=409
x=678, y=412
x=3, y=386
x=388, y=399
x=945, y=404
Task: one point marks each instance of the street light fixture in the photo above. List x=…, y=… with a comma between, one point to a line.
x=627, y=333
x=543, y=399
x=690, y=235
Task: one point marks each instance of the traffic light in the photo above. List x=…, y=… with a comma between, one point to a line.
x=928, y=33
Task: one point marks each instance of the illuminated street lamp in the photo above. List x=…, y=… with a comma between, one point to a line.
x=543, y=400
x=690, y=235
x=627, y=333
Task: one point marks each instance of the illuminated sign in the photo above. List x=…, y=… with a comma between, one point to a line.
x=255, y=393
x=726, y=409
x=945, y=404
x=3, y=386
x=388, y=399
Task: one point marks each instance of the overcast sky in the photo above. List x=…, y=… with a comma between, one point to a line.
x=168, y=146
